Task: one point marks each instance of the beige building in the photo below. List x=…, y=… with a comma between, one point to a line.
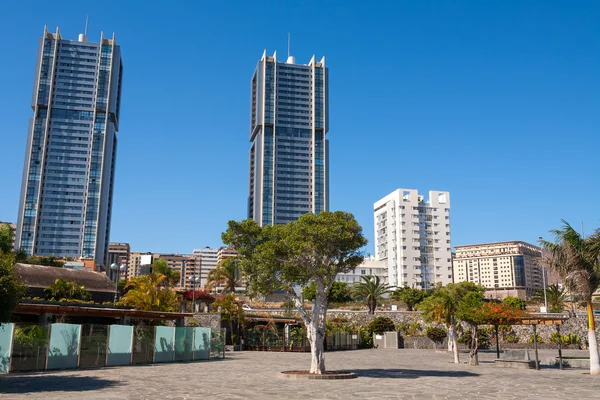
x=503, y=268
x=118, y=253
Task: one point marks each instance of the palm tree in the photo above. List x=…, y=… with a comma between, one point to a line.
x=227, y=274
x=370, y=289
x=577, y=260
x=148, y=293
x=556, y=296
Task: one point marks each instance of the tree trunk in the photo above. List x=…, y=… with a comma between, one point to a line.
x=317, y=354
x=452, y=345
x=593, y=342
x=473, y=358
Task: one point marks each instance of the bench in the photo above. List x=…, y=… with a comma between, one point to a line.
x=516, y=359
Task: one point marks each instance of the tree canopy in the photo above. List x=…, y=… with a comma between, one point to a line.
x=515, y=302
x=227, y=274
x=339, y=292
x=62, y=289
x=315, y=248
x=161, y=266
x=11, y=288
x=147, y=293
x=371, y=290
x=409, y=296
x=6, y=238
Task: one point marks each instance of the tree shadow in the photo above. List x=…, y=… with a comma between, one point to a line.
x=52, y=383
x=409, y=373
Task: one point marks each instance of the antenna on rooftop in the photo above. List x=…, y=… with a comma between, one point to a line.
x=86, y=23
x=290, y=59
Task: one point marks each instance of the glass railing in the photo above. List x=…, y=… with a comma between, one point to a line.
x=33, y=347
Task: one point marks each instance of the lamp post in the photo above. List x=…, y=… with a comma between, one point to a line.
x=115, y=268
x=540, y=239
x=194, y=280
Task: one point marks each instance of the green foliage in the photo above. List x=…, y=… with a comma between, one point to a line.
x=511, y=338
x=49, y=261
x=121, y=287
x=436, y=333
x=226, y=274
x=515, y=302
x=62, y=289
x=409, y=296
x=365, y=336
x=538, y=337
x=147, y=293
x=231, y=311
x=571, y=338
x=483, y=338
x=161, y=266
x=381, y=324
x=30, y=336
x=339, y=292
x=6, y=238
x=555, y=295
x=442, y=305
x=371, y=290
x=11, y=287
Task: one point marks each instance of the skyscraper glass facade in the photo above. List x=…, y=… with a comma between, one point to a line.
x=289, y=151
x=68, y=174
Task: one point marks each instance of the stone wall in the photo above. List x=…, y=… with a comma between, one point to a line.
x=206, y=320
x=576, y=325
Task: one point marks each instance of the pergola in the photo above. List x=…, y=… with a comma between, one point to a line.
x=534, y=320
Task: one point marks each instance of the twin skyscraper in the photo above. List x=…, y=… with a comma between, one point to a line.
x=69, y=171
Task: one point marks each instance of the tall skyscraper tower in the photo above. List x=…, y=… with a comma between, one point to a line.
x=289, y=160
x=66, y=194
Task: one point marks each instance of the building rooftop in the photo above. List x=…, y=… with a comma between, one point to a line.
x=40, y=276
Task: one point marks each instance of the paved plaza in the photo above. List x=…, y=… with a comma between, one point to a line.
x=383, y=374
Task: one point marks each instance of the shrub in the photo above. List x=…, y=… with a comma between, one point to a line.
x=381, y=324
x=538, y=337
x=565, y=339
x=512, y=338
x=515, y=302
x=436, y=333
x=483, y=338
x=365, y=337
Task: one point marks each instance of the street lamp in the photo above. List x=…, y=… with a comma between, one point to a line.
x=194, y=280
x=115, y=268
x=540, y=239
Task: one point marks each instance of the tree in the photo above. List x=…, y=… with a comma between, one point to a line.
x=469, y=311
x=555, y=295
x=577, y=260
x=231, y=311
x=339, y=293
x=371, y=290
x=315, y=248
x=11, y=288
x=442, y=307
x=515, y=302
x=227, y=273
x=148, y=293
x=49, y=261
x=161, y=267
x=62, y=289
x=6, y=238
x=409, y=296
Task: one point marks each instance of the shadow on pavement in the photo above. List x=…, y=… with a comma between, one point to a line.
x=409, y=373
x=52, y=383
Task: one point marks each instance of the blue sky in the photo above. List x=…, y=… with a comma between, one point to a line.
x=495, y=101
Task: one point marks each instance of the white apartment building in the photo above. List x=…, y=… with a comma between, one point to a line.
x=503, y=268
x=369, y=267
x=412, y=235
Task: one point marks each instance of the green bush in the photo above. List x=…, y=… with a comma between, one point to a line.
x=381, y=324
x=365, y=337
x=483, y=338
x=565, y=339
x=436, y=333
x=512, y=338
x=538, y=337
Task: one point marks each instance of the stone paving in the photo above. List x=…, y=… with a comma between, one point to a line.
x=383, y=374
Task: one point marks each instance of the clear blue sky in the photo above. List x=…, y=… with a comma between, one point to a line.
x=495, y=101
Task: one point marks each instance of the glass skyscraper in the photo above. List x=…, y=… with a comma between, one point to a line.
x=66, y=194
x=289, y=160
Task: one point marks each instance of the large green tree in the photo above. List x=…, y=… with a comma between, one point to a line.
x=370, y=289
x=442, y=307
x=577, y=260
x=555, y=295
x=226, y=274
x=6, y=238
x=11, y=288
x=315, y=248
x=409, y=296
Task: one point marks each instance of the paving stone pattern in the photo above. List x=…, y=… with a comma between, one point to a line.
x=383, y=374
